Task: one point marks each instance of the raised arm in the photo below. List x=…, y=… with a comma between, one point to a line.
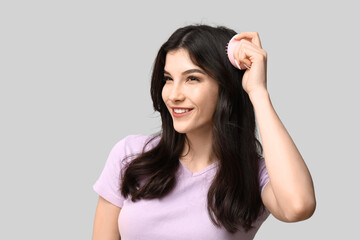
x=289, y=195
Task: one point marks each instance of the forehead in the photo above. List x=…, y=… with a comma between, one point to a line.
x=179, y=60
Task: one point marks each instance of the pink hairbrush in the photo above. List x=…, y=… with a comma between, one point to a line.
x=230, y=48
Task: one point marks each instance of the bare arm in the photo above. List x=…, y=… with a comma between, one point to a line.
x=106, y=221
x=289, y=195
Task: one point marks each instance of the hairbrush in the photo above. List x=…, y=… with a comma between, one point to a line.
x=230, y=48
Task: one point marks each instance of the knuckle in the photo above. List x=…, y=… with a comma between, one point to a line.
x=243, y=42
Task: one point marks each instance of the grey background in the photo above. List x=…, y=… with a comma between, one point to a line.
x=75, y=80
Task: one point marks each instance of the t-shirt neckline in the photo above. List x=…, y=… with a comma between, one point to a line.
x=202, y=171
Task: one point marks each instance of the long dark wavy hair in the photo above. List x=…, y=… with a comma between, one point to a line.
x=233, y=199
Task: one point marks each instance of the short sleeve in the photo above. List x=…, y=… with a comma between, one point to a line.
x=263, y=175
x=108, y=184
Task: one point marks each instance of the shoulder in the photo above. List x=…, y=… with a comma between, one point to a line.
x=135, y=144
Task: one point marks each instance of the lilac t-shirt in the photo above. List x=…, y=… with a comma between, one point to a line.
x=182, y=214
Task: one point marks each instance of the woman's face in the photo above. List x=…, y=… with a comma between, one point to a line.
x=189, y=93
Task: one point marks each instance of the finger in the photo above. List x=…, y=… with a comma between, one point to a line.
x=253, y=36
x=247, y=44
x=242, y=58
x=245, y=52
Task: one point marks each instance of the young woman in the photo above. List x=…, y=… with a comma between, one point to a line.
x=203, y=176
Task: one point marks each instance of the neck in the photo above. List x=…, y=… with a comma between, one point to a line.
x=198, y=150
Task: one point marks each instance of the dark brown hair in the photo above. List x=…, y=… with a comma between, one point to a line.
x=234, y=199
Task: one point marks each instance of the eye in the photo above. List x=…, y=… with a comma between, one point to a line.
x=192, y=78
x=167, y=78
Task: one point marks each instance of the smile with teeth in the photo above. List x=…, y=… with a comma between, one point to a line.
x=180, y=110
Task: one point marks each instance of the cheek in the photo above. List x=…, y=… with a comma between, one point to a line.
x=212, y=102
x=208, y=104
x=164, y=94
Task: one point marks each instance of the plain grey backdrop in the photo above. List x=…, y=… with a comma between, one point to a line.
x=75, y=80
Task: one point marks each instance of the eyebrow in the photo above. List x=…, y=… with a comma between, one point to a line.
x=188, y=71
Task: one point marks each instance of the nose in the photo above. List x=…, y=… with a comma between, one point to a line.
x=176, y=92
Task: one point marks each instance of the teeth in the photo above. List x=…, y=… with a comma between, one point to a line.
x=181, y=110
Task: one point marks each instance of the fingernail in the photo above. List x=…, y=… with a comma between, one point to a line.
x=246, y=66
x=237, y=64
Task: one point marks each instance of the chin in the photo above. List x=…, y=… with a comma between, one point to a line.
x=182, y=130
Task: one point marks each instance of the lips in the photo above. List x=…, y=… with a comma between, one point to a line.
x=180, y=111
